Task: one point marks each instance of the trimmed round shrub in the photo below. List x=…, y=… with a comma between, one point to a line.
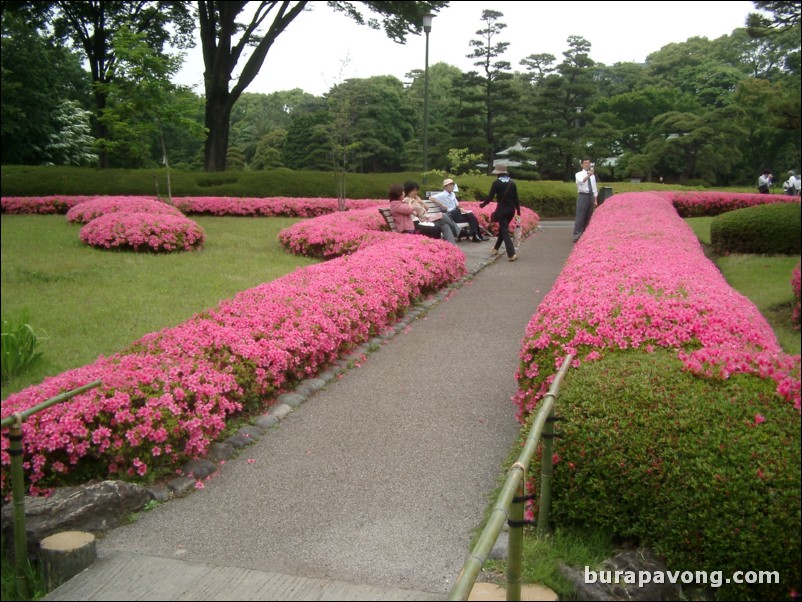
x=766, y=229
x=87, y=211
x=144, y=232
x=704, y=471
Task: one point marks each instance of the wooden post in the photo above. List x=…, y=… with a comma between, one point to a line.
x=64, y=555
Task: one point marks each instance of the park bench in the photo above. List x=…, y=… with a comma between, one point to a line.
x=390, y=220
x=465, y=228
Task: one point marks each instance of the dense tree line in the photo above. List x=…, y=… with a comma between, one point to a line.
x=712, y=111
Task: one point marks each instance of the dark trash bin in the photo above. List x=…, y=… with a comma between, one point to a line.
x=605, y=192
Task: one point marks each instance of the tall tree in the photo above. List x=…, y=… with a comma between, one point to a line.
x=255, y=115
x=444, y=100
x=142, y=101
x=494, y=82
x=562, y=116
x=689, y=144
x=785, y=15
x=91, y=24
x=225, y=39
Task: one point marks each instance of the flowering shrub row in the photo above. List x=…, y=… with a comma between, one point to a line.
x=639, y=279
x=268, y=207
x=155, y=232
x=167, y=397
x=338, y=233
x=797, y=295
x=41, y=204
x=87, y=211
x=700, y=204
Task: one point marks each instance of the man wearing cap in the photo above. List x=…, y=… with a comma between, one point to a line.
x=448, y=201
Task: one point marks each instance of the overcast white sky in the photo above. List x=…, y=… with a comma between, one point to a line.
x=322, y=48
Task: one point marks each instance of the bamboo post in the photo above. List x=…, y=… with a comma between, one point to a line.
x=546, y=472
x=18, y=493
x=14, y=424
x=64, y=555
x=516, y=542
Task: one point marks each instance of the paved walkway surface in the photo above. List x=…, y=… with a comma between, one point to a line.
x=370, y=490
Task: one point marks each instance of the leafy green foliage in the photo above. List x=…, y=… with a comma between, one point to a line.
x=34, y=578
x=20, y=346
x=706, y=472
x=768, y=229
x=40, y=77
x=72, y=143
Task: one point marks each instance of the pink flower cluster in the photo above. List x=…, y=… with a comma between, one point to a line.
x=155, y=232
x=795, y=286
x=700, y=204
x=268, y=207
x=41, y=204
x=638, y=279
x=89, y=210
x=167, y=397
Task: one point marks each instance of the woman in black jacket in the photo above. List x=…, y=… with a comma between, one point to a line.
x=506, y=194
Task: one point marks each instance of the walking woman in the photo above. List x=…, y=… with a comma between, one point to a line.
x=508, y=207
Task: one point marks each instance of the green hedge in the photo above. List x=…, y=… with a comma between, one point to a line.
x=548, y=199
x=651, y=453
x=774, y=229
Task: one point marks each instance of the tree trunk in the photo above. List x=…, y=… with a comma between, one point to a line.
x=218, y=116
x=102, y=130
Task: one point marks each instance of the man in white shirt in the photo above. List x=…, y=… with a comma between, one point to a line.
x=448, y=200
x=587, y=198
x=792, y=185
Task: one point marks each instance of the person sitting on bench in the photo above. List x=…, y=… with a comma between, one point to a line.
x=442, y=223
x=448, y=200
x=402, y=212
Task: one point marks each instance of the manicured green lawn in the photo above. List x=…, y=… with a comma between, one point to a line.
x=90, y=302
x=764, y=279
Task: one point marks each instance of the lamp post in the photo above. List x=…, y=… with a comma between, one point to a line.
x=427, y=27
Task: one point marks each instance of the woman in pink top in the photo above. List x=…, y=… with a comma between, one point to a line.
x=401, y=211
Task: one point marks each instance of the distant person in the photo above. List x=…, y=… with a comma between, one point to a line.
x=792, y=185
x=764, y=182
x=443, y=225
x=505, y=193
x=587, y=198
x=448, y=201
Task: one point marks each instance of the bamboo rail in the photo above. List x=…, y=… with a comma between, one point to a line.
x=510, y=503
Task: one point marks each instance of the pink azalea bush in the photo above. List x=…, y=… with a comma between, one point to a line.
x=335, y=234
x=795, y=288
x=638, y=279
x=41, y=204
x=167, y=397
x=89, y=210
x=268, y=207
x=155, y=232
x=709, y=203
